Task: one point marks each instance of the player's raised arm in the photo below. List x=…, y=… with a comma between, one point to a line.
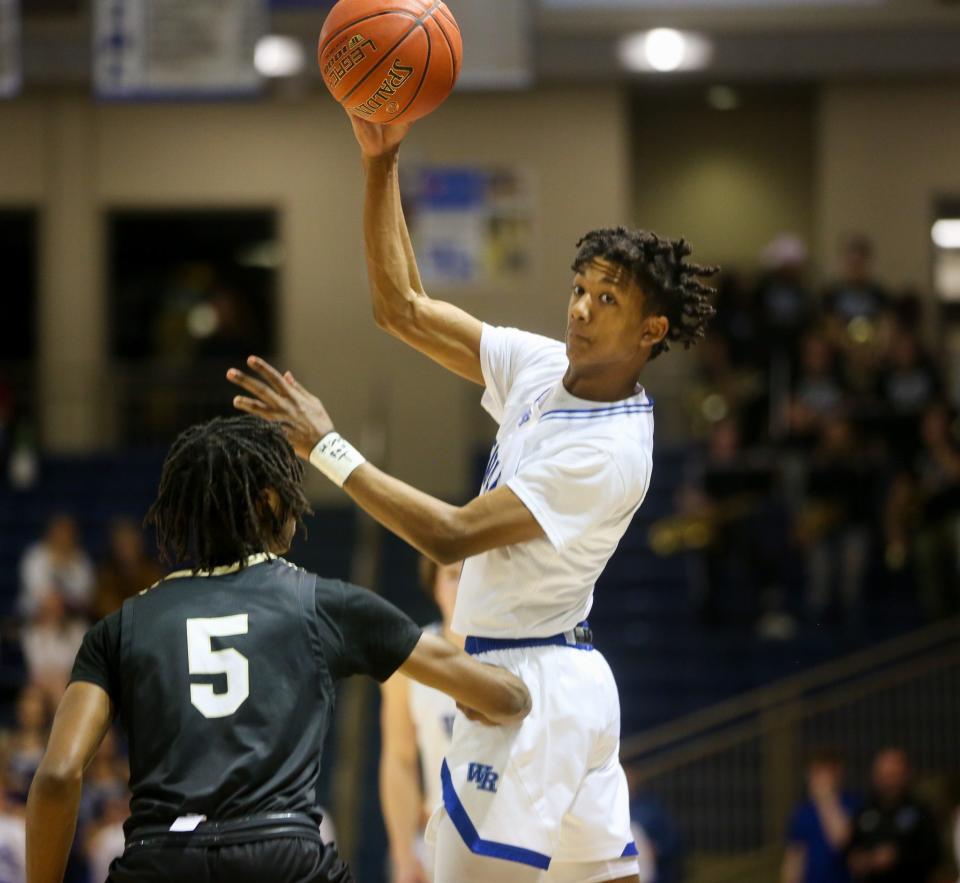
x=442, y=331
x=441, y=531
x=82, y=720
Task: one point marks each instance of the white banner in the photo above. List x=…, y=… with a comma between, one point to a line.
x=176, y=48
x=11, y=75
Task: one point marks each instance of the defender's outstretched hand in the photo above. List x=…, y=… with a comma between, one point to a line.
x=280, y=398
x=376, y=139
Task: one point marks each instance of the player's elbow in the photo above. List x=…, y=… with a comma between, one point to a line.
x=57, y=777
x=384, y=317
x=452, y=539
x=393, y=311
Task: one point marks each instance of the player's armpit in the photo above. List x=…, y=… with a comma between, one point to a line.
x=82, y=720
x=498, y=695
x=441, y=331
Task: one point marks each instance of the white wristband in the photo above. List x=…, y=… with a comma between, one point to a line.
x=336, y=458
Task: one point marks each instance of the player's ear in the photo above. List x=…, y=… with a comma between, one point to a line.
x=653, y=330
x=271, y=510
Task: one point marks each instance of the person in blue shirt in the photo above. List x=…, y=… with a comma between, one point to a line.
x=822, y=826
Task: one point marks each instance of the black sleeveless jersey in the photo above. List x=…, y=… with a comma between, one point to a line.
x=224, y=684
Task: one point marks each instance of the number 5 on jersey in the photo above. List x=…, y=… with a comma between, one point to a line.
x=204, y=660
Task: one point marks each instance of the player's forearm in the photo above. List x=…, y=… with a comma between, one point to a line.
x=51, y=822
x=402, y=805
x=495, y=693
x=391, y=264
x=431, y=526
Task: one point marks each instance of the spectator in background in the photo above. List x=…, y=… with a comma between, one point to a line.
x=821, y=827
x=50, y=643
x=56, y=567
x=835, y=525
x=895, y=838
x=658, y=840
x=784, y=301
x=104, y=807
x=126, y=571
x=736, y=322
x=728, y=501
x=818, y=391
x=26, y=744
x=922, y=515
x=909, y=380
x=856, y=298
x=908, y=383
x=13, y=842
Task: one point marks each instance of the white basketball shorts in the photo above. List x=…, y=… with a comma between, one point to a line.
x=550, y=788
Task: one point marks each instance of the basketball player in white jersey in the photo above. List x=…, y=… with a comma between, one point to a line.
x=416, y=724
x=545, y=800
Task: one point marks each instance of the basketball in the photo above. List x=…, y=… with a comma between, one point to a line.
x=390, y=61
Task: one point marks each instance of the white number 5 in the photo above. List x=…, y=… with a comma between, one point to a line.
x=204, y=660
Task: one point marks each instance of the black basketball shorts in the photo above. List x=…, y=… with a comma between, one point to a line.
x=280, y=860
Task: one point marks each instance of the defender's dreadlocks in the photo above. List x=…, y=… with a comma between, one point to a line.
x=210, y=509
x=668, y=281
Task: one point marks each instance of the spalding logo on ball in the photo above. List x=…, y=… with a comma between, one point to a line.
x=390, y=61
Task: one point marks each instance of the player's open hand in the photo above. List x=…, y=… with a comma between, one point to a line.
x=281, y=399
x=375, y=139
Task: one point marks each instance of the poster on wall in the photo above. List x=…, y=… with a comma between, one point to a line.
x=10, y=54
x=471, y=227
x=176, y=48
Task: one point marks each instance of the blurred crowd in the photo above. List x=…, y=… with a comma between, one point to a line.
x=892, y=835
x=61, y=593
x=829, y=456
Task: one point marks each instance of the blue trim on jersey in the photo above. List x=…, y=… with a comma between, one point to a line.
x=474, y=645
x=465, y=828
x=596, y=413
x=630, y=850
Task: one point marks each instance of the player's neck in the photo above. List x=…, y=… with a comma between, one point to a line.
x=599, y=386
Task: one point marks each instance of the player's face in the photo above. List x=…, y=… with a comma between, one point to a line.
x=606, y=319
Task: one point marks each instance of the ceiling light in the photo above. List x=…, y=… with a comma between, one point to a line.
x=946, y=233
x=276, y=56
x=664, y=50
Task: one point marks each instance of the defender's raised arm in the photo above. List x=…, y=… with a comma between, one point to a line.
x=439, y=330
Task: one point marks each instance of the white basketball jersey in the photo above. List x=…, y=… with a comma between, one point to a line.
x=433, y=713
x=582, y=468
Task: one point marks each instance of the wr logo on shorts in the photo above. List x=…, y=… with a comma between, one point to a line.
x=484, y=776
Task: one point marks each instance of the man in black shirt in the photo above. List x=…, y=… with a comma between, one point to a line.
x=895, y=839
x=223, y=677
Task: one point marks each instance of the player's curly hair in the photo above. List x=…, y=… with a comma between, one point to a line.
x=668, y=280
x=210, y=509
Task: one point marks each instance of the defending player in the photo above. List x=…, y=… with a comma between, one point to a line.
x=416, y=724
x=570, y=467
x=223, y=677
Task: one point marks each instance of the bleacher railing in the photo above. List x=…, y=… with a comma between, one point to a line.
x=730, y=774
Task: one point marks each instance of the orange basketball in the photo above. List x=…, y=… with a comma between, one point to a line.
x=390, y=61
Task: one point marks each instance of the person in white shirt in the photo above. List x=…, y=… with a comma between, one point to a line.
x=416, y=724
x=56, y=566
x=570, y=468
